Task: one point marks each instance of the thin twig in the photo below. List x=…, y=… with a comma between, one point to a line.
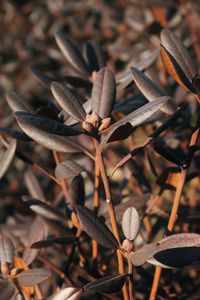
x=111, y=212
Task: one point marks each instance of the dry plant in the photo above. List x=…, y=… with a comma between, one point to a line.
x=88, y=236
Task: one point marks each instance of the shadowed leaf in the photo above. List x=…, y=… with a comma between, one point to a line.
x=95, y=228
x=62, y=240
x=107, y=284
x=124, y=127
x=42, y=77
x=7, y=158
x=68, y=101
x=71, y=52
x=44, y=210
x=177, y=60
x=8, y=132
x=16, y=102
x=68, y=170
x=37, y=232
x=78, y=82
x=76, y=192
x=131, y=223
x=49, y=140
x=33, y=277
x=46, y=124
x=69, y=293
x=151, y=91
x=103, y=93
x=139, y=257
x=7, y=249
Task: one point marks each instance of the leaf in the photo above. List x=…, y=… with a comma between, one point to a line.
x=124, y=127
x=68, y=101
x=95, y=228
x=44, y=210
x=178, y=250
x=103, y=93
x=131, y=223
x=37, y=232
x=33, y=185
x=178, y=51
x=72, y=53
x=8, y=132
x=7, y=158
x=126, y=78
x=68, y=169
x=139, y=202
x=139, y=257
x=43, y=78
x=33, y=276
x=46, y=124
x=20, y=264
x=177, y=60
x=49, y=140
x=69, y=293
x=76, y=192
x=16, y=102
x=107, y=284
x=61, y=240
x=151, y=91
x=7, y=249
x=78, y=82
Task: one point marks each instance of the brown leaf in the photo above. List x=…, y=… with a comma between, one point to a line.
x=107, y=284
x=7, y=158
x=95, y=228
x=103, y=93
x=72, y=53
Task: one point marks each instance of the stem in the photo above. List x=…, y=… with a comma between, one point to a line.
x=62, y=182
x=154, y=287
x=96, y=206
x=111, y=211
x=176, y=202
x=130, y=284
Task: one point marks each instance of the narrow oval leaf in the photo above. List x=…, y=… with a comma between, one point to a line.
x=44, y=210
x=151, y=91
x=69, y=293
x=16, y=102
x=33, y=276
x=103, y=93
x=78, y=82
x=7, y=249
x=37, y=231
x=178, y=257
x=91, y=57
x=107, y=284
x=43, y=78
x=68, y=101
x=176, y=48
x=131, y=223
x=68, y=170
x=49, y=140
x=175, y=70
x=47, y=124
x=177, y=60
x=7, y=158
x=8, y=132
x=179, y=240
x=139, y=257
x=95, y=228
x=124, y=127
x=33, y=185
x=72, y=53
x=76, y=192
x=62, y=240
